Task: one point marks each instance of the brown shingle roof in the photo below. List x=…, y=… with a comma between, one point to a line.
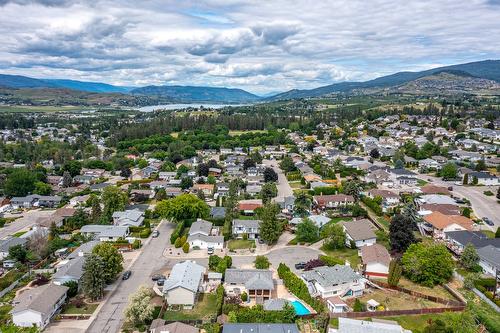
x=360, y=229
x=375, y=253
x=441, y=221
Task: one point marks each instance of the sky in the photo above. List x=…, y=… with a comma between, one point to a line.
x=260, y=46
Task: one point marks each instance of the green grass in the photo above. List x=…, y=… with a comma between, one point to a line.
x=416, y=323
x=86, y=309
x=240, y=244
x=19, y=234
x=384, y=222
x=422, y=183
x=345, y=254
x=204, y=309
x=488, y=233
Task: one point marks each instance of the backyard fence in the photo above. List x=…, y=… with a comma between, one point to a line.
x=389, y=313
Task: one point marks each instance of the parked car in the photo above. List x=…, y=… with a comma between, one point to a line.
x=155, y=233
x=160, y=282
x=157, y=277
x=126, y=275
x=450, y=188
x=488, y=221
x=261, y=241
x=300, y=265
x=210, y=250
x=460, y=201
x=458, y=183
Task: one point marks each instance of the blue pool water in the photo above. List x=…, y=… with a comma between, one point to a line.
x=300, y=309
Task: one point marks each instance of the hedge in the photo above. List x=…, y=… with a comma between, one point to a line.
x=373, y=204
x=298, y=287
x=177, y=232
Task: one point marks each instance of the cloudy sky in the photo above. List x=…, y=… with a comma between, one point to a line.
x=261, y=46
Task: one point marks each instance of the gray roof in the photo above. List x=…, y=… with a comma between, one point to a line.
x=251, y=278
x=330, y=276
x=490, y=254
x=176, y=327
x=206, y=238
x=6, y=244
x=347, y=325
x=41, y=299
x=259, y=328
x=218, y=212
x=129, y=217
x=186, y=275
x=200, y=227
x=360, y=229
x=73, y=269
x=476, y=238
x=85, y=248
x=276, y=304
x=105, y=230
x=247, y=223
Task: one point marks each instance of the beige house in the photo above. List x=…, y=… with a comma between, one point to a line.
x=258, y=284
x=183, y=284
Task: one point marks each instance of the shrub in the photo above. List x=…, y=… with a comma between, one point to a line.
x=244, y=297
x=177, y=232
x=374, y=204
x=178, y=243
x=136, y=244
x=145, y=233
x=261, y=262
x=219, y=292
x=358, y=306
x=185, y=247
x=298, y=287
x=488, y=193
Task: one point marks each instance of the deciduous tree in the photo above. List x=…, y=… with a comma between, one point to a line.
x=112, y=259
x=428, y=264
x=140, y=309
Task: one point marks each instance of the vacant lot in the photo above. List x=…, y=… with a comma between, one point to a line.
x=240, y=244
x=203, y=310
x=393, y=300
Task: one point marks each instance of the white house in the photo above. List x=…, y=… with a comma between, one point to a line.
x=129, y=218
x=35, y=307
x=376, y=260
x=339, y=280
x=105, y=233
x=360, y=232
x=203, y=236
x=249, y=227
x=69, y=270
x=489, y=259
x=183, y=284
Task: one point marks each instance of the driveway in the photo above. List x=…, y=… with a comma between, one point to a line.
x=26, y=221
x=483, y=206
x=110, y=318
x=284, y=188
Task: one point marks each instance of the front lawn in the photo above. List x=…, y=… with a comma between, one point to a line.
x=240, y=244
x=84, y=309
x=421, y=182
x=345, y=254
x=204, y=309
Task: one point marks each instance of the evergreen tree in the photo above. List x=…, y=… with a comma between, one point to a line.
x=93, y=281
x=395, y=270
x=270, y=228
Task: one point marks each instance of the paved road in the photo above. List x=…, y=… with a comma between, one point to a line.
x=483, y=206
x=27, y=220
x=284, y=188
x=110, y=317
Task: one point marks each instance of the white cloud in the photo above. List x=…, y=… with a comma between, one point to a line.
x=260, y=46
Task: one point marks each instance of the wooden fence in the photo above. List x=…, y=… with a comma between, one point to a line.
x=388, y=313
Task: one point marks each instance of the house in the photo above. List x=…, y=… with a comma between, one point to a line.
x=436, y=199
x=335, y=304
x=248, y=227
x=202, y=236
x=379, y=177
x=429, y=163
x=35, y=200
x=128, y=218
x=258, y=284
x=79, y=200
x=338, y=280
x=438, y=224
x=207, y=189
x=389, y=198
x=318, y=220
x=57, y=218
x=445, y=209
x=347, y=325
x=139, y=195
x=222, y=189
x=249, y=206
x=253, y=189
x=434, y=189
x=403, y=177
x=148, y=171
x=35, y=307
x=333, y=201
x=489, y=259
x=483, y=178
x=183, y=284
x=376, y=260
x=69, y=270
x=105, y=233
x=6, y=244
x=85, y=248
x=286, y=204
x=167, y=175
x=360, y=232
x=159, y=326
x=457, y=240
x=259, y=328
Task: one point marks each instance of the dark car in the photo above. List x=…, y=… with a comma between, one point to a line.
x=126, y=275
x=157, y=277
x=460, y=201
x=261, y=241
x=488, y=221
x=160, y=282
x=300, y=265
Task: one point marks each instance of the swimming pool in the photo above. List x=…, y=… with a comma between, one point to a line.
x=300, y=309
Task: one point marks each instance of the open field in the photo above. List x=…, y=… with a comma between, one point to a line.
x=236, y=133
x=394, y=300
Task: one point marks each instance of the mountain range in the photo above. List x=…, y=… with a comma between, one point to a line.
x=474, y=77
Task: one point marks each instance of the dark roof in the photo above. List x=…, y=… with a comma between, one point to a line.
x=476, y=238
